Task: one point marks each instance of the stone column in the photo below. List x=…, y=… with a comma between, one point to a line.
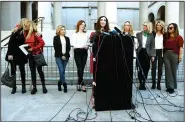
x=181, y=15
x=143, y=13
x=44, y=10
x=108, y=9
x=10, y=17
x=29, y=10
x=57, y=14
x=171, y=13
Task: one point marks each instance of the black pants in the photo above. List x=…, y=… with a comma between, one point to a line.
x=158, y=57
x=80, y=56
x=33, y=67
x=22, y=71
x=144, y=61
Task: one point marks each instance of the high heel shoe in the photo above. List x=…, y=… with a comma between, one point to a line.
x=84, y=90
x=78, y=87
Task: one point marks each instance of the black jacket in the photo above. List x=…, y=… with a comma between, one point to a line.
x=58, y=47
x=16, y=39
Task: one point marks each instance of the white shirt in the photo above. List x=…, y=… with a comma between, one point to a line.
x=159, y=41
x=144, y=41
x=80, y=40
x=63, y=42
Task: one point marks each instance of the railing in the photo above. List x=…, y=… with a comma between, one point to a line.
x=40, y=19
x=52, y=74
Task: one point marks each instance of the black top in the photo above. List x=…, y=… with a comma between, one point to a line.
x=58, y=47
x=16, y=39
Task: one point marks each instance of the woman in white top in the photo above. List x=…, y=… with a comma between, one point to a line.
x=159, y=37
x=80, y=42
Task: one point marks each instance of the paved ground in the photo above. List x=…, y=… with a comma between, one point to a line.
x=44, y=107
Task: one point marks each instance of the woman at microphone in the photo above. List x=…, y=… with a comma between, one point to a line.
x=101, y=26
x=145, y=53
x=80, y=43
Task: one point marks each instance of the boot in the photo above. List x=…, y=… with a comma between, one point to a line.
x=65, y=87
x=14, y=88
x=144, y=88
x=140, y=85
x=158, y=85
x=153, y=84
x=23, y=87
x=34, y=90
x=44, y=89
x=59, y=86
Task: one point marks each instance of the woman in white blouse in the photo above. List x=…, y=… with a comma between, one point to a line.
x=159, y=37
x=80, y=43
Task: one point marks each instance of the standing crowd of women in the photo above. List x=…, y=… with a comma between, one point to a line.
x=156, y=47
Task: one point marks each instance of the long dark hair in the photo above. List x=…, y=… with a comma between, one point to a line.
x=98, y=26
x=176, y=30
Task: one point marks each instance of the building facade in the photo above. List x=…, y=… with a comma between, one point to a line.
x=68, y=13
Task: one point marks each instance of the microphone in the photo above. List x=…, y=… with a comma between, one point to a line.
x=105, y=33
x=118, y=30
x=114, y=32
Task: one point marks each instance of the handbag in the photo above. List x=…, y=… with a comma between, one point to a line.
x=39, y=58
x=7, y=79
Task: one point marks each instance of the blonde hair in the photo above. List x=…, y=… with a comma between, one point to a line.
x=58, y=29
x=30, y=24
x=131, y=32
x=149, y=26
x=21, y=23
x=162, y=25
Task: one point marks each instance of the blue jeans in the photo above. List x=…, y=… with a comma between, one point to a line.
x=61, y=66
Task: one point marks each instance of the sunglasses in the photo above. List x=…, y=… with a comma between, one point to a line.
x=170, y=28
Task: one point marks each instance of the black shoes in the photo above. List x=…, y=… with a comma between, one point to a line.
x=65, y=87
x=14, y=90
x=84, y=90
x=142, y=87
x=78, y=87
x=158, y=86
x=34, y=90
x=23, y=89
x=170, y=91
x=44, y=90
x=153, y=85
x=59, y=86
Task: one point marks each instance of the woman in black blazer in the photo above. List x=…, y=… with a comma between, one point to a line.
x=15, y=56
x=62, y=48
